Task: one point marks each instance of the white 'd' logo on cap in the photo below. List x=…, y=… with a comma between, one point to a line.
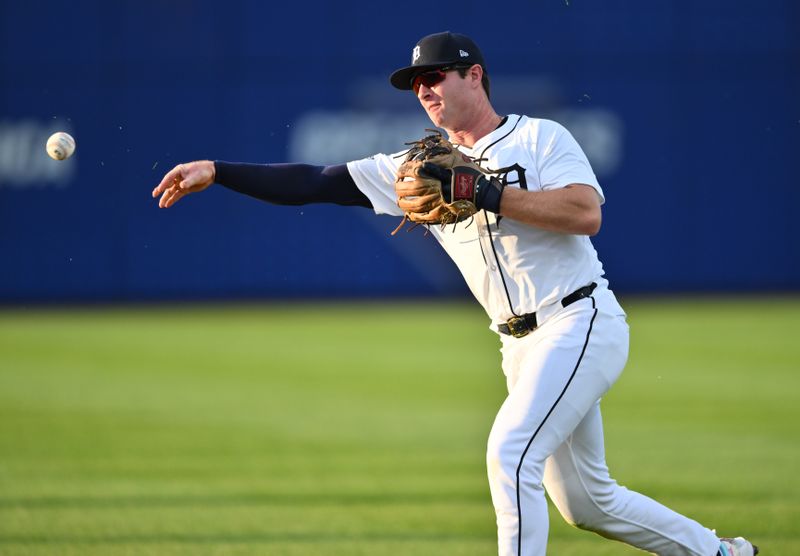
x=415, y=54
x=463, y=54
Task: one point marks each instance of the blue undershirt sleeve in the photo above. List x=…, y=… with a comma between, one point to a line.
x=292, y=184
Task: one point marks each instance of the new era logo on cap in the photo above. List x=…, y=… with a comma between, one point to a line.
x=463, y=54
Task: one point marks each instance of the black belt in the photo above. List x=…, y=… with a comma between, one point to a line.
x=525, y=324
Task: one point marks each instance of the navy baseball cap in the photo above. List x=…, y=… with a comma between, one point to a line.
x=437, y=51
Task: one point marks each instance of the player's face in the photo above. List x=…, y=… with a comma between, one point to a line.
x=444, y=95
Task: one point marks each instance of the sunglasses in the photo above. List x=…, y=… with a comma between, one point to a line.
x=433, y=77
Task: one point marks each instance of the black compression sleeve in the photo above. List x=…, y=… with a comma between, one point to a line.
x=292, y=184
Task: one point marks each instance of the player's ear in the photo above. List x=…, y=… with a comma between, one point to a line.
x=476, y=74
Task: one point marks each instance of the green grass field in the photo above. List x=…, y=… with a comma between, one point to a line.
x=304, y=430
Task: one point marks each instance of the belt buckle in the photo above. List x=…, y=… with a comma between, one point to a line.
x=518, y=327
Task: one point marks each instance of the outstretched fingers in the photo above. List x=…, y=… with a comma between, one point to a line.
x=186, y=178
x=171, y=196
x=170, y=179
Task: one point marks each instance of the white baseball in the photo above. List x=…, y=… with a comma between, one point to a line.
x=60, y=145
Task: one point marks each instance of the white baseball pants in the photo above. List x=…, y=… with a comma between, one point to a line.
x=548, y=435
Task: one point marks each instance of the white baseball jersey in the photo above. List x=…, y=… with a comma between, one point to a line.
x=510, y=267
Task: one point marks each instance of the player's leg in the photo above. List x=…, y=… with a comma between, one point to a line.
x=577, y=480
x=555, y=378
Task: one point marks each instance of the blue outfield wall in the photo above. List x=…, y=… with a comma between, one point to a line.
x=689, y=112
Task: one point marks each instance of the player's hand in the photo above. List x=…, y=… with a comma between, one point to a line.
x=191, y=177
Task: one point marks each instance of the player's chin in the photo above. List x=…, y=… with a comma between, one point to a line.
x=436, y=115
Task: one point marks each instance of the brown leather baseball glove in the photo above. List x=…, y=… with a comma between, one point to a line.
x=437, y=184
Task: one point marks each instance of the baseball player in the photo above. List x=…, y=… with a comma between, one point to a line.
x=526, y=255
